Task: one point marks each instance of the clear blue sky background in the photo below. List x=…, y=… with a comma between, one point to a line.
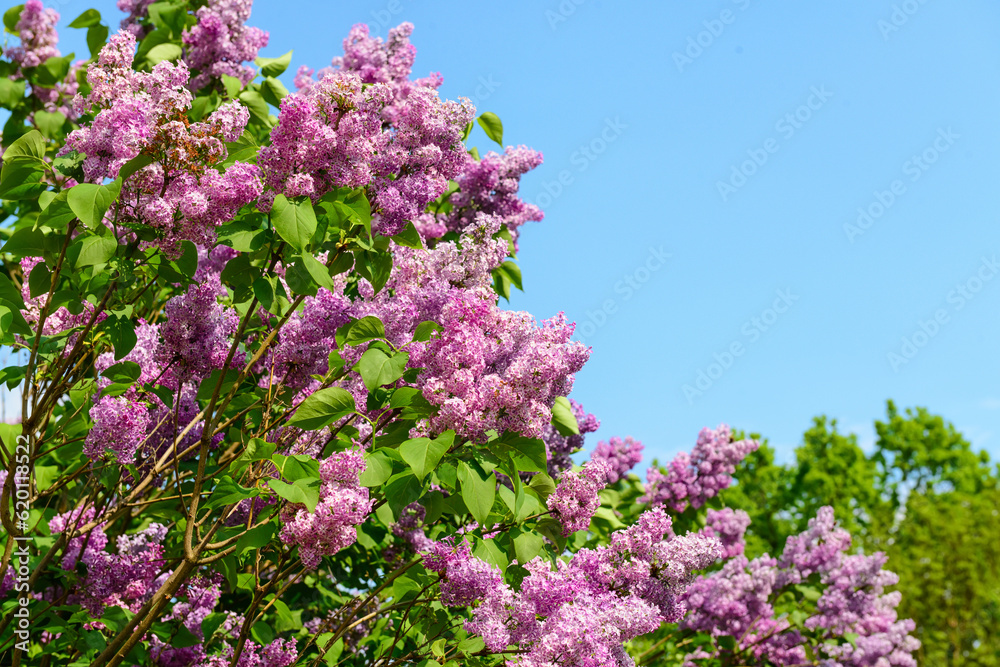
x=672, y=130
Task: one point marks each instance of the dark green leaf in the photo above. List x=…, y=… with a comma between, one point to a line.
x=135, y=164
x=477, y=492
x=409, y=237
x=295, y=221
x=322, y=408
x=97, y=36
x=363, y=330
x=378, y=369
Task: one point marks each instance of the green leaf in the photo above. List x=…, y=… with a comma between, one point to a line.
x=90, y=202
x=424, y=330
x=255, y=103
x=161, y=52
x=228, y=492
x=86, y=19
x=135, y=164
x=21, y=178
x=491, y=124
x=11, y=18
x=97, y=36
x=26, y=242
x=424, y=454
x=322, y=408
x=402, y=490
x=409, y=237
x=563, y=418
x=121, y=331
x=11, y=92
x=363, y=330
x=273, y=91
x=232, y=85
x=316, y=270
x=39, y=280
x=256, y=450
x=378, y=369
x=244, y=149
x=274, y=66
x=527, y=545
x=378, y=468
x=31, y=144
x=50, y=123
x=295, y=221
x=477, y=492
x=301, y=491
x=96, y=250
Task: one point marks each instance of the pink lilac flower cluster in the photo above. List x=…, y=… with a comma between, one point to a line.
x=120, y=426
x=621, y=456
x=693, y=479
x=737, y=601
x=575, y=499
x=331, y=133
x=82, y=547
x=582, y=612
x=729, y=526
x=137, y=10
x=558, y=447
x=220, y=43
x=326, y=138
x=37, y=32
x=488, y=369
x=177, y=354
x=343, y=504
x=197, y=334
x=202, y=595
x=125, y=579
x=490, y=186
x=56, y=321
x=376, y=61
x=182, y=194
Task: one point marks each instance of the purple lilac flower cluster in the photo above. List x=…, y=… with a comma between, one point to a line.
x=36, y=28
x=220, y=43
x=729, y=526
x=490, y=186
x=737, y=601
x=691, y=479
x=343, y=504
x=582, y=612
x=575, y=499
x=182, y=194
x=621, y=455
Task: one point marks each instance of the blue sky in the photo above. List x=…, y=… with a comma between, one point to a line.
x=791, y=208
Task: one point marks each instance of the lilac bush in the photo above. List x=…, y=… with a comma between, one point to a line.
x=273, y=413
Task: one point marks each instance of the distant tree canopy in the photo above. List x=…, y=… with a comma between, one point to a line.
x=923, y=496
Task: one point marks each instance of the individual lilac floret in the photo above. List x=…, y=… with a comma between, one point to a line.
x=621, y=455
x=729, y=526
x=120, y=426
x=558, y=447
x=693, y=479
x=575, y=499
x=343, y=504
x=220, y=43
